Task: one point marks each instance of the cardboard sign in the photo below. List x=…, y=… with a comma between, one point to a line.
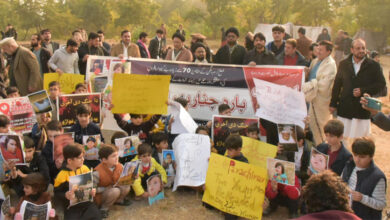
x=257, y=152
x=68, y=81
x=20, y=113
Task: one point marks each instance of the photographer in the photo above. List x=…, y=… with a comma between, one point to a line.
x=377, y=117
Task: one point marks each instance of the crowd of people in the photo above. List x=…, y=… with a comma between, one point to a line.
x=340, y=78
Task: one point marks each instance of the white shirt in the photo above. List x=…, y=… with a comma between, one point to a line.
x=125, y=50
x=198, y=61
x=356, y=66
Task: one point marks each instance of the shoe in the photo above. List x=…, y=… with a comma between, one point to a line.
x=125, y=202
x=104, y=213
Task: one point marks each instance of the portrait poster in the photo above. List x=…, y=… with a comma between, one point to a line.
x=129, y=173
x=40, y=102
x=282, y=171
x=32, y=211
x=287, y=134
x=155, y=188
x=169, y=162
x=67, y=105
x=127, y=145
x=318, y=161
x=91, y=146
x=11, y=148
x=81, y=185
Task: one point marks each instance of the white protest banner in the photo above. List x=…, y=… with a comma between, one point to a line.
x=192, y=152
x=280, y=104
x=182, y=120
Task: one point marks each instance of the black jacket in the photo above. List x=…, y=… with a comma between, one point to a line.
x=84, y=49
x=47, y=154
x=44, y=57
x=264, y=58
x=142, y=50
x=223, y=55
x=142, y=131
x=343, y=157
x=366, y=182
x=369, y=79
x=241, y=158
x=79, y=132
x=301, y=61
x=155, y=48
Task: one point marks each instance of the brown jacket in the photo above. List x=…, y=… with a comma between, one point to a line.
x=107, y=178
x=303, y=46
x=26, y=72
x=132, y=50
x=185, y=55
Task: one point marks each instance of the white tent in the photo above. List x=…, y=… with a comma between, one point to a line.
x=374, y=40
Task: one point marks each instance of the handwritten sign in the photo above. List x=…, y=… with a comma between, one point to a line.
x=183, y=122
x=20, y=112
x=235, y=187
x=68, y=81
x=223, y=126
x=67, y=104
x=192, y=152
x=140, y=94
x=280, y=104
x=257, y=152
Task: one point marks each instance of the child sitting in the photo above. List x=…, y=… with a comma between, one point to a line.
x=233, y=144
x=12, y=92
x=5, y=125
x=148, y=168
x=366, y=180
x=91, y=153
x=160, y=143
x=53, y=128
x=338, y=154
x=137, y=126
x=253, y=131
x=35, y=187
x=35, y=163
x=117, y=135
x=80, y=88
x=73, y=165
x=84, y=125
x=106, y=175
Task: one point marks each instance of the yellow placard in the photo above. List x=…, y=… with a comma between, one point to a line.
x=140, y=94
x=257, y=152
x=68, y=81
x=235, y=187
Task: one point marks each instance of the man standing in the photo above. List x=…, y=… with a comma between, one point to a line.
x=200, y=38
x=303, y=43
x=24, y=67
x=141, y=43
x=47, y=43
x=259, y=55
x=317, y=89
x=10, y=32
x=347, y=43
x=92, y=47
x=323, y=36
x=78, y=37
x=290, y=55
x=179, y=52
x=277, y=46
x=65, y=60
x=41, y=54
x=106, y=45
x=181, y=30
x=199, y=53
x=339, y=52
x=155, y=46
x=232, y=52
x=125, y=48
x=357, y=74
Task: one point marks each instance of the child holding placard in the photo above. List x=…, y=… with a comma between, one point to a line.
x=160, y=143
x=106, y=175
x=73, y=157
x=84, y=125
x=148, y=168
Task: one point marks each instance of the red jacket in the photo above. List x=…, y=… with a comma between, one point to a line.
x=292, y=192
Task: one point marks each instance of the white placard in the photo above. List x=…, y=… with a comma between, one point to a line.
x=182, y=120
x=192, y=152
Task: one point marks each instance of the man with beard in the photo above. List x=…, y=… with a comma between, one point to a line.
x=232, y=52
x=92, y=47
x=24, y=67
x=65, y=60
x=200, y=38
x=125, y=48
x=47, y=43
x=41, y=53
x=199, y=53
x=357, y=75
x=179, y=52
x=259, y=55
